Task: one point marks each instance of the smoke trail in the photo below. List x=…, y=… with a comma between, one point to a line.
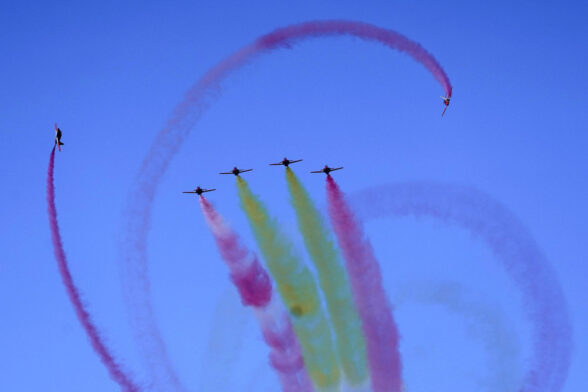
x=287, y=36
x=298, y=290
x=137, y=298
x=170, y=138
x=378, y=324
x=333, y=281
x=255, y=289
x=286, y=356
x=491, y=327
x=114, y=369
x=247, y=274
x=512, y=244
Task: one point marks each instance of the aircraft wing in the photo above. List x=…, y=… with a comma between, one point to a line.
x=275, y=164
x=189, y=192
x=446, y=106
x=318, y=171
x=298, y=160
x=337, y=168
x=208, y=190
x=226, y=173
x=246, y=170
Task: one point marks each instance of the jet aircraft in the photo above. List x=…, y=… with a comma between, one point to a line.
x=446, y=102
x=327, y=170
x=58, y=137
x=199, y=191
x=285, y=162
x=236, y=171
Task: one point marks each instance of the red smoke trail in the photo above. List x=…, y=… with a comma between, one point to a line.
x=74, y=296
x=169, y=140
x=255, y=288
x=512, y=244
x=379, y=327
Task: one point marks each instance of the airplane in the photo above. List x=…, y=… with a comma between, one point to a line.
x=199, y=191
x=285, y=162
x=446, y=102
x=327, y=170
x=236, y=171
x=58, y=137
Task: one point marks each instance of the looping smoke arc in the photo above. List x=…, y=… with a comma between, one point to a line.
x=515, y=248
x=168, y=142
x=544, y=301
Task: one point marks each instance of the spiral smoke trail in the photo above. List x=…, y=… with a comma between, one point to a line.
x=168, y=142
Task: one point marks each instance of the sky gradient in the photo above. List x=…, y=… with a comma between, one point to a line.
x=110, y=75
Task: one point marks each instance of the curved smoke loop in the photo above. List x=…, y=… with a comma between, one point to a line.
x=514, y=247
x=167, y=144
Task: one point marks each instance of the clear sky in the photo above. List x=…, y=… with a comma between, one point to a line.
x=111, y=72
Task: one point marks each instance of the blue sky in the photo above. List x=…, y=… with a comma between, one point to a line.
x=110, y=75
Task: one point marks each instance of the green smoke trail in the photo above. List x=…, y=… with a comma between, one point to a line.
x=333, y=281
x=298, y=290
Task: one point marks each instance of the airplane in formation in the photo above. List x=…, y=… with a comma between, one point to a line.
x=58, y=142
x=285, y=162
x=327, y=170
x=446, y=102
x=199, y=191
x=236, y=171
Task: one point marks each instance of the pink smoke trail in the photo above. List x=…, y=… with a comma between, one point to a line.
x=379, y=327
x=247, y=274
x=287, y=36
x=114, y=369
x=255, y=288
x=513, y=245
x=168, y=142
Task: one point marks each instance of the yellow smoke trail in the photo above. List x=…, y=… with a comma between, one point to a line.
x=333, y=281
x=299, y=292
